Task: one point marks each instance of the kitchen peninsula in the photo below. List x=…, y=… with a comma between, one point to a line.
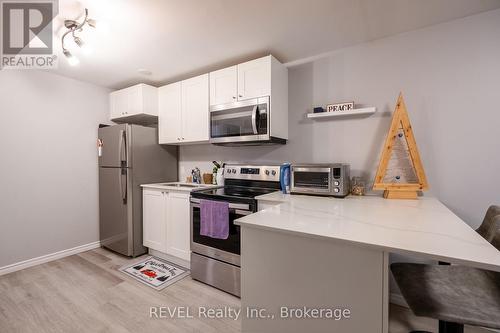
x=325, y=253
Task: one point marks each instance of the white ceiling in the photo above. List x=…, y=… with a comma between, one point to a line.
x=176, y=39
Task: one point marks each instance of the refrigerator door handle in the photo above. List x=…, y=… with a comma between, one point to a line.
x=123, y=189
x=123, y=149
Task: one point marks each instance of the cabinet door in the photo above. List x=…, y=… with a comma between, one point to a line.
x=149, y=95
x=154, y=222
x=195, y=109
x=178, y=225
x=254, y=78
x=135, y=100
x=169, y=113
x=224, y=86
x=118, y=102
x=113, y=105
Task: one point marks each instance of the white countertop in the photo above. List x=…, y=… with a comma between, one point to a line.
x=424, y=227
x=177, y=186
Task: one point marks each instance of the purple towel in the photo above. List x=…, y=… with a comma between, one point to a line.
x=214, y=219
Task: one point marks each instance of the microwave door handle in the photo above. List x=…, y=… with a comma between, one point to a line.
x=254, y=119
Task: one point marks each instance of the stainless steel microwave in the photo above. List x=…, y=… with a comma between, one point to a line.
x=242, y=123
x=320, y=179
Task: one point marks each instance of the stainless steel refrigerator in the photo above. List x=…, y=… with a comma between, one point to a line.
x=129, y=156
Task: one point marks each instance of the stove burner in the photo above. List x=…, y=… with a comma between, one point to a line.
x=234, y=191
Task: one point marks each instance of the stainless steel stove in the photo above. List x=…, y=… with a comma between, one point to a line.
x=217, y=261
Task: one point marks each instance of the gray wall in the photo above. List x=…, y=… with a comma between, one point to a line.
x=48, y=163
x=450, y=77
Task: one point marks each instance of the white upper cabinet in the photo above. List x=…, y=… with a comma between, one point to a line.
x=184, y=106
x=183, y=111
x=254, y=78
x=224, y=86
x=118, y=102
x=195, y=109
x=248, y=80
x=136, y=104
x=170, y=113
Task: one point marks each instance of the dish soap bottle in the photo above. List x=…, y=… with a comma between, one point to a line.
x=220, y=177
x=285, y=178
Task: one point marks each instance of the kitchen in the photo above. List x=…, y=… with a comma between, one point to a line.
x=63, y=227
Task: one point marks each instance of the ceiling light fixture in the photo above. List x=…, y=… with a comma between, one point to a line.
x=73, y=28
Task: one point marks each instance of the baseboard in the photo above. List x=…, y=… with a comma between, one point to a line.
x=398, y=299
x=48, y=257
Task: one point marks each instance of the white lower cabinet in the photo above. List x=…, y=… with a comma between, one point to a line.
x=166, y=222
x=153, y=221
x=178, y=225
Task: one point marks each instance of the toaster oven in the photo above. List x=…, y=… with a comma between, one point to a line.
x=320, y=179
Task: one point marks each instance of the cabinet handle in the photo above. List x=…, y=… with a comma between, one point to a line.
x=234, y=97
x=240, y=95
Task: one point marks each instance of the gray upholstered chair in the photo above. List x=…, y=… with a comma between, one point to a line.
x=455, y=294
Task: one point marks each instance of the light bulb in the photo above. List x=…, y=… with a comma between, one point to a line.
x=92, y=23
x=79, y=41
x=72, y=60
x=82, y=45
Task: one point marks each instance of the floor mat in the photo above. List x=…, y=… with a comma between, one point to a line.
x=154, y=272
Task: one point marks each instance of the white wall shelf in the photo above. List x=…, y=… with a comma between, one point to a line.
x=354, y=112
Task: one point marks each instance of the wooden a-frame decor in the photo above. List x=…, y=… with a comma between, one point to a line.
x=400, y=172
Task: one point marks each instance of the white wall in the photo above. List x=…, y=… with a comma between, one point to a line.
x=450, y=77
x=48, y=163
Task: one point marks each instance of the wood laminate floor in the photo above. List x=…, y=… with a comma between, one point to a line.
x=87, y=293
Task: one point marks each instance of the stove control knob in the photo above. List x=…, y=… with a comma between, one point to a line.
x=234, y=170
x=336, y=190
x=273, y=172
x=267, y=172
x=336, y=183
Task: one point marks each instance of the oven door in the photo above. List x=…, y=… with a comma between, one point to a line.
x=240, y=121
x=227, y=250
x=311, y=180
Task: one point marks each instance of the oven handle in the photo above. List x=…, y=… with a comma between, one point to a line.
x=242, y=209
